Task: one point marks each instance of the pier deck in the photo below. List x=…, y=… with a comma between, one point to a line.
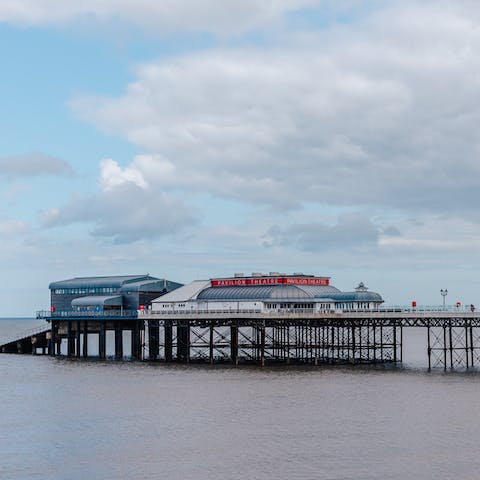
x=251, y=336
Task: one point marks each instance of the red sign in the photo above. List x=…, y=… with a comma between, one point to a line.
x=248, y=282
x=414, y=304
x=52, y=308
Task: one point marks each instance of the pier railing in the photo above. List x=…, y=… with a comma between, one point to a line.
x=402, y=310
x=64, y=314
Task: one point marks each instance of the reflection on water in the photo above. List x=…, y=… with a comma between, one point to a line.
x=69, y=419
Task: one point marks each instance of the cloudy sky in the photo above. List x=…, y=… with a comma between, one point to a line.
x=196, y=138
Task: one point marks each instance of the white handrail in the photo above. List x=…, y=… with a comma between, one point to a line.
x=312, y=311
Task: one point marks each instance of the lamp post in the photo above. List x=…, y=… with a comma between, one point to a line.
x=443, y=293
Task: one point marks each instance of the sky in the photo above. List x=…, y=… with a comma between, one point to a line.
x=198, y=138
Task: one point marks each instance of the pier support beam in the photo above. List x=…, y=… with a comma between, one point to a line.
x=118, y=341
x=183, y=342
x=70, y=340
x=136, y=341
x=58, y=343
x=234, y=344
x=85, y=339
x=262, y=346
x=153, y=339
x=168, y=347
x=102, y=344
x=211, y=343
x=429, y=349
x=77, y=338
x=53, y=339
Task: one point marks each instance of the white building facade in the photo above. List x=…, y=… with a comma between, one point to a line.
x=266, y=293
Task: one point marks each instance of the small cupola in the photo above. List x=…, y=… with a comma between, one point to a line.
x=361, y=287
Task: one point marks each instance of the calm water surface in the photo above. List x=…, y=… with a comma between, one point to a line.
x=68, y=419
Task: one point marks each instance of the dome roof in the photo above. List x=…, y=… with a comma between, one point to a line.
x=268, y=292
x=358, y=296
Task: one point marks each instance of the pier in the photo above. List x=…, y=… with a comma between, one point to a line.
x=299, y=336
x=306, y=337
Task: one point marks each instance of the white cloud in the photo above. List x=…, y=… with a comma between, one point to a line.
x=381, y=114
x=218, y=16
x=112, y=175
x=125, y=209
x=351, y=231
x=12, y=228
x=33, y=164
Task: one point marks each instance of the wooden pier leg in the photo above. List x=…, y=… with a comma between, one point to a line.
x=322, y=350
x=85, y=339
x=168, y=330
x=153, y=339
x=183, y=342
x=444, y=347
x=335, y=347
x=211, y=343
x=471, y=346
x=180, y=343
x=352, y=341
x=133, y=343
x=187, y=342
x=451, y=344
x=466, y=347
x=141, y=332
x=429, y=349
x=70, y=340
x=287, y=331
x=102, y=339
x=77, y=338
x=361, y=341
x=369, y=329
x=58, y=344
x=136, y=347
x=262, y=346
x=234, y=344
x=401, y=344
x=118, y=341
x=395, y=343
x=381, y=343
x=53, y=339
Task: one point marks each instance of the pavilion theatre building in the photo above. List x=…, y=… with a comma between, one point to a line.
x=264, y=293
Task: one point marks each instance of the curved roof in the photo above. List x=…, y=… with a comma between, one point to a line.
x=363, y=296
x=266, y=292
x=86, y=282
x=184, y=293
x=97, y=301
x=150, y=286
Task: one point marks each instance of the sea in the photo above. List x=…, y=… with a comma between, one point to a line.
x=90, y=419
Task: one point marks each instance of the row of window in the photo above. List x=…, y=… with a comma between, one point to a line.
x=345, y=305
x=289, y=305
x=80, y=291
x=353, y=305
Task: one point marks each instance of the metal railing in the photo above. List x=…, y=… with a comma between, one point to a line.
x=59, y=314
x=198, y=312
x=311, y=311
